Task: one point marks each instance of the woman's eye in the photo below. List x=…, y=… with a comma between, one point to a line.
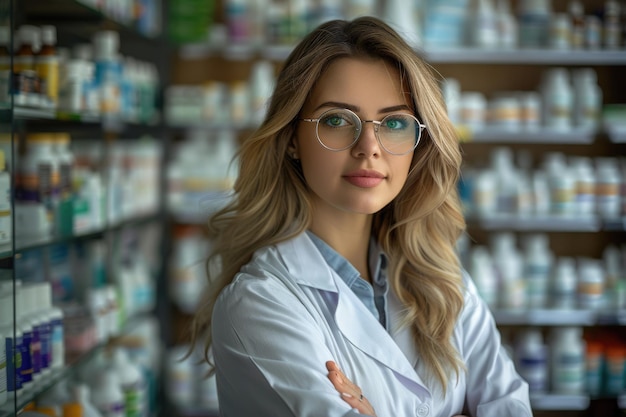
x=395, y=123
x=336, y=121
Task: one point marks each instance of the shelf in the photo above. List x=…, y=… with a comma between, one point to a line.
x=39, y=241
x=546, y=317
x=559, y=402
x=79, y=18
x=540, y=136
x=525, y=56
x=547, y=223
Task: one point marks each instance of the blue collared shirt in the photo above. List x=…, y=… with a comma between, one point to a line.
x=373, y=296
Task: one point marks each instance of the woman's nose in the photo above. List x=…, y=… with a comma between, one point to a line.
x=367, y=145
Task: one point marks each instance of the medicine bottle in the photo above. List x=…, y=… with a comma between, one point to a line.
x=577, y=16
x=531, y=358
x=107, y=395
x=47, y=65
x=567, y=357
x=564, y=284
x=26, y=88
x=12, y=341
x=611, y=31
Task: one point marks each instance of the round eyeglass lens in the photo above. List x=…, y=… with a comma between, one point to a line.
x=339, y=129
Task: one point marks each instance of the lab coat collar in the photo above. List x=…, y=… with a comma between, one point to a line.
x=308, y=268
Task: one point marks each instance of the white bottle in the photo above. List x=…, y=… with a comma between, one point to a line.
x=482, y=272
x=558, y=99
x=132, y=383
x=531, y=358
x=585, y=198
x=485, y=25
x=82, y=395
x=6, y=226
x=538, y=260
x=587, y=99
x=562, y=184
x=590, y=284
x=55, y=315
x=508, y=263
x=107, y=395
x=564, y=284
x=608, y=183
x=401, y=16
x=108, y=71
x=567, y=357
x=507, y=26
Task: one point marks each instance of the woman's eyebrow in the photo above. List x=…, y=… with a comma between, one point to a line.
x=357, y=108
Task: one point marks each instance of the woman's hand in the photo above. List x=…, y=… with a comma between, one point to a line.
x=348, y=391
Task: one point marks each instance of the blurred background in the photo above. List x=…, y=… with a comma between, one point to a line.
x=119, y=124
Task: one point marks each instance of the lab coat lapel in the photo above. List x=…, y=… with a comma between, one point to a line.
x=308, y=267
x=362, y=329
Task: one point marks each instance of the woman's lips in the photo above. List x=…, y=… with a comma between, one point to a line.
x=364, y=178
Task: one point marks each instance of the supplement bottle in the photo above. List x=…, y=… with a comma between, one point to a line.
x=47, y=66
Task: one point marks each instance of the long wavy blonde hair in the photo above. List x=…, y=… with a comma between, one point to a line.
x=417, y=231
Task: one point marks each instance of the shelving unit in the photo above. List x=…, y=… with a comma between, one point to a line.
x=76, y=22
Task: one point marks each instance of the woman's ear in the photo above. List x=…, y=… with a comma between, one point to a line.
x=292, y=150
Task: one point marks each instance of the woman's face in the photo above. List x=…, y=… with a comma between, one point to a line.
x=364, y=178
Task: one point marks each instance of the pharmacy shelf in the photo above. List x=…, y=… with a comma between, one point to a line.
x=79, y=17
x=559, y=402
x=539, y=136
x=197, y=212
x=497, y=222
x=32, y=242
x=524, y=56
x=546, y=317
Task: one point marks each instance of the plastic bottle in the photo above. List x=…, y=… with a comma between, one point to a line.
x=482, y=272
x=594, y=367
x=590, y=284
x=55, y=315
x=25, y=369
x=558, y=99
x=6, y=222
x=615, y=368
x=587, y=99
x=562, y=182
x=564, y=284
x=485, y=26
x=24, y=92
x=585, y=199
x=538, y=260
x=38, y=176
x=576, y=13
x=400, y=15
x=107, y=395
x=508, y=264
x=132, y=383
x=82, y=395
x=108, y=71
x=567, y=357
x=608, y=183
x=531, y=358
x=32, y=315
x=507, y=26
x=65, y=157
x=534, y=20
x=47, y=65
x=593, y=32
x=611, y=28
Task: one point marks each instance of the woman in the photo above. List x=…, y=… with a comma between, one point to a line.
x=335, y=288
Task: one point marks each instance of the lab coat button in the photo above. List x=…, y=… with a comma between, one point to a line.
x=423, y=410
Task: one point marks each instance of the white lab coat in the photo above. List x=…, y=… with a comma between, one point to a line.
x=288, y=312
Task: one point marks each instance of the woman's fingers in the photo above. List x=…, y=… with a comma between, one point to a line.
x=349, y=392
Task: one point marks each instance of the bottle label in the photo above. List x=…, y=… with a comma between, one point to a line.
x=46, y=347
x=57, y=343
x=48, y=70
x=114, y=409
x=35, y=349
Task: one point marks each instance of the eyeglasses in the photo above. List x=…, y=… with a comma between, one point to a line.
x=340, y=129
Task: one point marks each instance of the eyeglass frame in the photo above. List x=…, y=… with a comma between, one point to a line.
x=376, y=123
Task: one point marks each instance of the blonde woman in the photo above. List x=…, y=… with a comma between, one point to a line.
x=334, y=286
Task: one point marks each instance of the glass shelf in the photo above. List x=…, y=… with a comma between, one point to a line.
x=530, y=223
x=35, y=242
x=539, y=136
x=559, y=402
x=525, y=56
x=546, y=317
